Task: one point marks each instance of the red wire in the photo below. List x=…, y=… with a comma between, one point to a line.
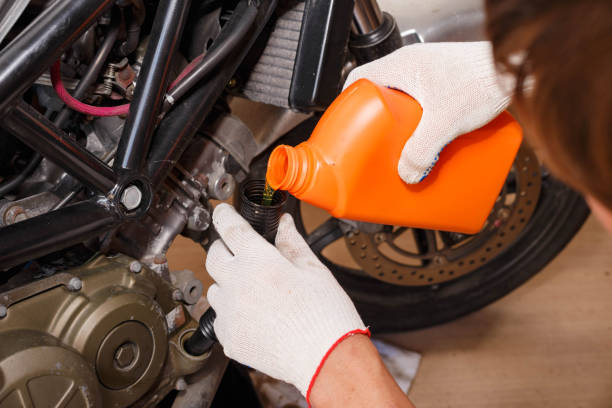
x=73, y=103
x=56, y=80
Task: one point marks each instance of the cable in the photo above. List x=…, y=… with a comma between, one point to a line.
x=214, y=57
x=92, y=110
x=93, y=70
x=79, y=106
x=9, y=185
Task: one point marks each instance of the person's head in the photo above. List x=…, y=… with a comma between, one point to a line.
x=560, y=53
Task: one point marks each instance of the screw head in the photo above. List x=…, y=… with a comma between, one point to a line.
x=177, y=295
x=3, y=311
x=199, y=220
x=14, y=214
x=75, y=284
x=125, y=355
x=131, y=197
x=135, y=266
x=180, y=384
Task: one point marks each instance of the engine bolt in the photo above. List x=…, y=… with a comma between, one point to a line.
x=199, y=220
x=131, y=197
x=125, y=355
x=135, y=266
x=181, y=384
x=3, y=311
x=74, y=284
x=177, y=295
x=14, y=214
x=438, y=260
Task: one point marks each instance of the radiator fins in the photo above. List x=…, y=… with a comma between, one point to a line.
x=270, y=80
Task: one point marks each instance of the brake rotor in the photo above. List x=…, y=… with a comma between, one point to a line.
x=412, y=257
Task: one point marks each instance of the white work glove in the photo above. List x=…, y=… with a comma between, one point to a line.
x=456, y=85
x=279, y=309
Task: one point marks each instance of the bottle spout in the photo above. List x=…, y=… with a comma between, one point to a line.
x=287, y=168
x=304, y=174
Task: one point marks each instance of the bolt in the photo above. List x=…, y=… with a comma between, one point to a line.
x=232, y=83
x=177, y=295
x=199, y=220
x=503, y=213
x=74, y=284
x=379, y=237
x=131, y=197
x=438, y=260
x=14, y=214
x=3, y=311
x=181, y=384
x=135, y=266
x=125, y=355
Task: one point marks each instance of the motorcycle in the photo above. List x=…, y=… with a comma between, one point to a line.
x=124, y=120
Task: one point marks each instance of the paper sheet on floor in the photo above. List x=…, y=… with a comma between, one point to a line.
x=402, y=364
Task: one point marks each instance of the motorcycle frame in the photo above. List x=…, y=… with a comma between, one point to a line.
x=149, y=146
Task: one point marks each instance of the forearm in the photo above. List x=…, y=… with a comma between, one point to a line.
x=354, y=376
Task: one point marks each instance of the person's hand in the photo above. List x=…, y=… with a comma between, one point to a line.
x=279, y=309
x=457, y=87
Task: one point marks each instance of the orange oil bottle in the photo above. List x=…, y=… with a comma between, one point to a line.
x=349, y=165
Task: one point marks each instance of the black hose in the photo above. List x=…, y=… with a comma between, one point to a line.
x=11, y=184
x=93, y=70
x=90, y=76
x=179, y=126
x=216, y=55
x=264, y=219
x=204, y=337
x=132, y=35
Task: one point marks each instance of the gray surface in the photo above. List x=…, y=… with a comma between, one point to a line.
x=439, y=20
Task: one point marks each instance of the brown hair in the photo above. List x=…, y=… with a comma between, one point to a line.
x=560, y=52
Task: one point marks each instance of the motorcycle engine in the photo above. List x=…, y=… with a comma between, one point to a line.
x=85, y=327
x=99, y=335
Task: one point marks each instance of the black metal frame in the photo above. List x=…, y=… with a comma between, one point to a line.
x=149, y=147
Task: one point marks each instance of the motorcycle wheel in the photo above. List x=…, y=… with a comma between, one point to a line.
x=403, y=279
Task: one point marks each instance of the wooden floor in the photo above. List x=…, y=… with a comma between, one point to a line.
x=547, y=344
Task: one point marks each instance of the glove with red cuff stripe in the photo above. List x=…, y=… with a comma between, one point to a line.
x=279, y=309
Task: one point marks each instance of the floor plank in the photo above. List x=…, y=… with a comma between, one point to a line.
x=547, y=344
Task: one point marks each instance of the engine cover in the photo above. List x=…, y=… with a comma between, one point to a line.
x=101, y=335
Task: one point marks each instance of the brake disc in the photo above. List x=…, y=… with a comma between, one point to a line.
x=414, y=257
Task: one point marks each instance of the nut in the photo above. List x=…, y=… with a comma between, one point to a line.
x=74, y=284
x=135, y=267
x=199, y=219
x=131, y=197
x=14, y=214
x=177, y=295
x=181, y=384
